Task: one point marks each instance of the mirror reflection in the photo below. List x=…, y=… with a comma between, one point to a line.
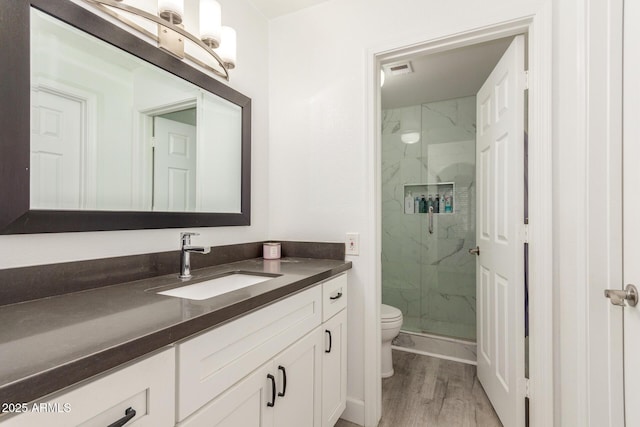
x=112, y=132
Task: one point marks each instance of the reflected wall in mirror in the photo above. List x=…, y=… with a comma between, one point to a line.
x=83, y=107
x=113, y=132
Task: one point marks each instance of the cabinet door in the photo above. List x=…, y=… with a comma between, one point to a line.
x=244, y=404
x=299, y=401
x=334, y=369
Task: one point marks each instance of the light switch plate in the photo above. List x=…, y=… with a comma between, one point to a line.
x=352, y=244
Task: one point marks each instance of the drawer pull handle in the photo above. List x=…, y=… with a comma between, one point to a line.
x=336, y=297
x=128, y=414
x=330, y=344
x=273, y=391
x=284, y=381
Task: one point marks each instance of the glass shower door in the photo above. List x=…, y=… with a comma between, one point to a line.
x=430, y=277
x=448, y=302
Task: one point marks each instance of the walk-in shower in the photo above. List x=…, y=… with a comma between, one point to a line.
x=428, y=161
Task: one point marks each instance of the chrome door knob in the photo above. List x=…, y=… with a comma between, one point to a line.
x=475, y=251
x=618, y=296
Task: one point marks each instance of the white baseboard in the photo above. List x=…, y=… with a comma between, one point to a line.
x=354, y=412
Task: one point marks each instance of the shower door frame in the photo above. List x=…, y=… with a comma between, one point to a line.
x=538, y=27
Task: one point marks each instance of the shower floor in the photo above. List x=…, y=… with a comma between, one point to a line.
x=432, y=345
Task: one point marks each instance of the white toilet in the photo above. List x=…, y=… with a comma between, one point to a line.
x=391, y=322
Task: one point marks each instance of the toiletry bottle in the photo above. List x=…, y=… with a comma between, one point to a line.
x=416, y=205
x=436, y=204
x=447, y=204
x=430, y=203
x=423, y=205
x=408, y=204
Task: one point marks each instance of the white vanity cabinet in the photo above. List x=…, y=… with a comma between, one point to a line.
x=147, y=386
x=284, y=392
x=283, y=365
x=214, y=361
x=280, y=366
x=334, y=360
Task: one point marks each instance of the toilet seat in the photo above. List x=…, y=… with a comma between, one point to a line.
x=391, y=321
x=389, y=314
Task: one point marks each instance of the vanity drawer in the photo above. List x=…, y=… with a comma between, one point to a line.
x=147, y=386
x=215, y=360
x=334, y=296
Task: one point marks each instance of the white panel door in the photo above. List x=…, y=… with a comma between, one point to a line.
x=298, y=372
x=174, y=166
x=57, y=124
x=631, y=202
x=500, y=264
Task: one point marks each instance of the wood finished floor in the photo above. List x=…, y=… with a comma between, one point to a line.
x=427, y=391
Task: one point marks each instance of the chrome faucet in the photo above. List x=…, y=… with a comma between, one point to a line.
x=185, y=253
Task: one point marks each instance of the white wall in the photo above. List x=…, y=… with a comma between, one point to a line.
x=251, y=78
x=220, y=156
x=317, y=157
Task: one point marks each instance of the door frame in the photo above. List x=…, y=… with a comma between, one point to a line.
x=538, y=26
x=629, y=227
x=143, y=139
x=596, y=328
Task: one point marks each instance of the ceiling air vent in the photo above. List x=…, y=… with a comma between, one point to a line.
x=398, y=68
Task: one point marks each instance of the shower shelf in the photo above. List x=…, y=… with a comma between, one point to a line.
x=426, y=189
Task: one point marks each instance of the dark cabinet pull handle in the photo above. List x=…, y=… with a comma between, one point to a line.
x=284, y=381
x=330, y=345
x=273, y=391
x=128, y=414
x=336, y=297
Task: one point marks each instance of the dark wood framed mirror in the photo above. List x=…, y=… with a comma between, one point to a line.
x=20, y=213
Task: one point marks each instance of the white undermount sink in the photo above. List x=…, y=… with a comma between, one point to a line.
x=218, y=286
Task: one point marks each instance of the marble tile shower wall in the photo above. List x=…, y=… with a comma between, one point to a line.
x=430, y=277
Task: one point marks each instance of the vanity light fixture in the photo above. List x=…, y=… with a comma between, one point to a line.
x=228, y=47
x=210, y=23
x=217, y=41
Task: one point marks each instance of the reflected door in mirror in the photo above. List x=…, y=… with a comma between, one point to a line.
x=57, y=151
x=174, y=166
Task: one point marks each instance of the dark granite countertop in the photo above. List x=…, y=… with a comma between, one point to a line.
x=51, y=343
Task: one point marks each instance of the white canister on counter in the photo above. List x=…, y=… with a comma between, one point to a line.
x=271, y=250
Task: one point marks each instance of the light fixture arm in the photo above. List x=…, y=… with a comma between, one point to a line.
x=101, y=5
